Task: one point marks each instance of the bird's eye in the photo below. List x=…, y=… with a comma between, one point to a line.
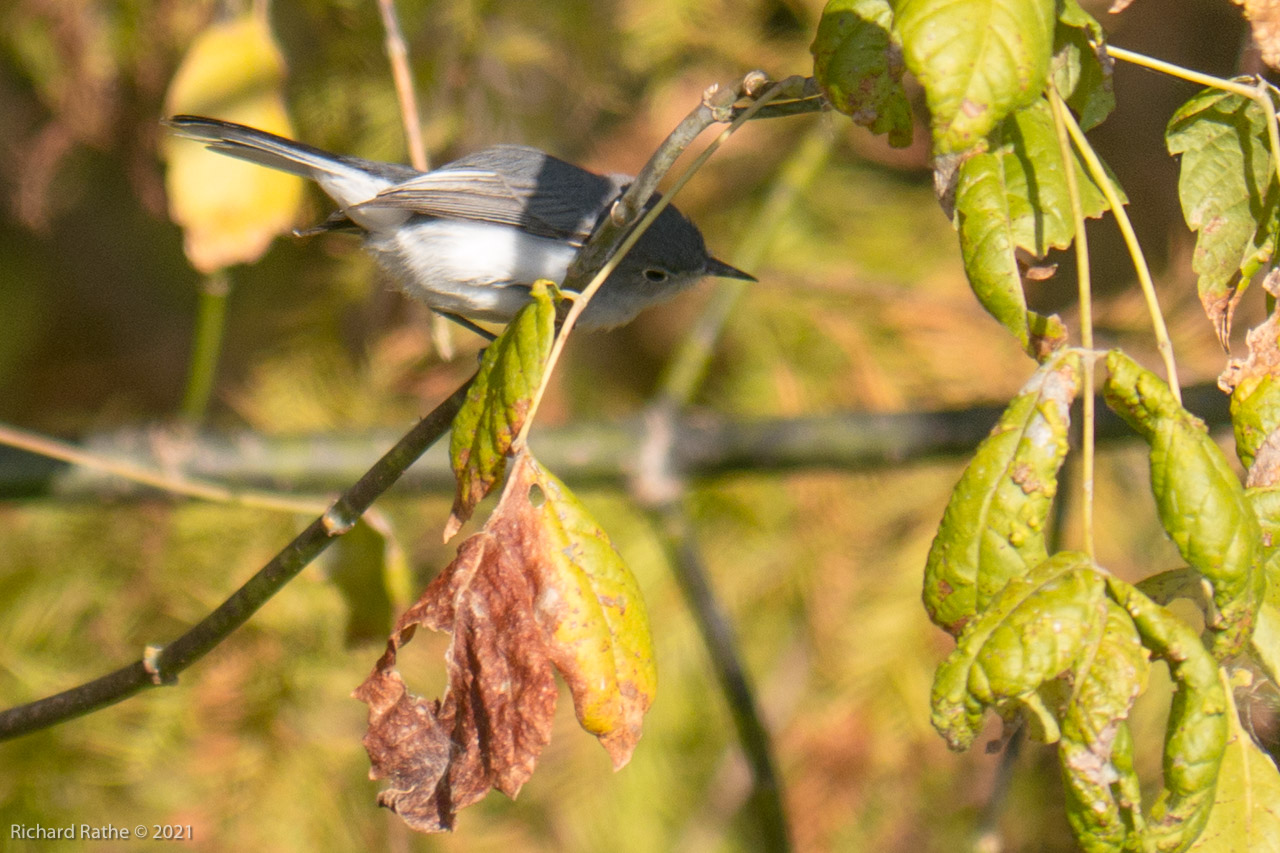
x=655, y=275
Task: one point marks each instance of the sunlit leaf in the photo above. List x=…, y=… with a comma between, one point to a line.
x=993, y=527
x=497, y=403
x=987, y=243
x=1228, y=190
x=1103, y=797
x=860, y=69
x=1196, y=733
x=230, y=211
x=539, y=589
x=1031, y=633
x=1201, y=502
x=1265, y=641
x=978, y=61
x=1246, y=805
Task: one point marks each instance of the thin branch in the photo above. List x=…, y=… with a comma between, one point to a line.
x=626, y=207
x=398, y=56
x=765, y=805
x=162, y=665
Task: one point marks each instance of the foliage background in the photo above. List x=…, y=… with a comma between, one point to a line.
x=861, y=305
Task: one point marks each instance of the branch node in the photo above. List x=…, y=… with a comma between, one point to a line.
x=151, y=663
x=336, y=522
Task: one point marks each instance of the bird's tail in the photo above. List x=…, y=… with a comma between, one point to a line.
x=348, y=180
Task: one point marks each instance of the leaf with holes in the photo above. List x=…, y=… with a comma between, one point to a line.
x=539, y=588
x=498, y=402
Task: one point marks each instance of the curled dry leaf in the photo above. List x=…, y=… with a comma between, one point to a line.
x=1264, y=18
x=540, y=587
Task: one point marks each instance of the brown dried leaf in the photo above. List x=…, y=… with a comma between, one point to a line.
x=496, y=714
x=540, y=588
x=1264, y=17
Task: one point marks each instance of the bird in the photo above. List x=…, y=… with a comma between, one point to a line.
x=471, y=237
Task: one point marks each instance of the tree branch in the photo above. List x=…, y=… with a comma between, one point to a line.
x=162, y=665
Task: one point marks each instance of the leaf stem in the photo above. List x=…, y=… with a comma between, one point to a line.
x=1103, y=180
x=211, y=318
x=1085, y=288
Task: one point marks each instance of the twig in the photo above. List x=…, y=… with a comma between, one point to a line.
x=162, y=665
x=211, y=321
x=398, y=56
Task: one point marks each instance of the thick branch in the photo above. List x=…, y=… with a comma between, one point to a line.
x=591, y=453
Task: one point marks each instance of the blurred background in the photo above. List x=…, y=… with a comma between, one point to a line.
x=861, y=306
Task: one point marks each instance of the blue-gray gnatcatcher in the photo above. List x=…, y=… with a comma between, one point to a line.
x=470, y=237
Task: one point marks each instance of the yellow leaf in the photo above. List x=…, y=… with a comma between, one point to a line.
x=230, y=210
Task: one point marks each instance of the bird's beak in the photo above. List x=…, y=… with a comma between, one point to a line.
x=720, y=269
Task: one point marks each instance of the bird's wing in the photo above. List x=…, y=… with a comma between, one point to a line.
x=508, y=185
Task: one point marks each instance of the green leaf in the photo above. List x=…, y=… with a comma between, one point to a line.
x=860, y=69
x=1081, y=66
x=498, y=402
x=1103, y=798
x=1196, y=734
x=1201, y=503
x=1255, y=413
x=591, y=606
x=978, y=61
x=1246, y=805
x=987, y=243
x=993, y=527
x=1035, y=183
x=1228, y=190
x=1032, y=632
x=360, y=565
x=1265, y=641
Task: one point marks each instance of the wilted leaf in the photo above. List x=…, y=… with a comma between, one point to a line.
x=1246, y=804
x=230, y=211
x=495, y=717
x=978, y=61
x=1254, y=385
x=987, y=243
x=1032, y=632
x=1264, y=18
x=497, y=404
x=1201, y=502
x=860, y=69
x=993, y=527
x=1103, y=797
x=539, y=587
x=1081, y=66
x=1196, y=733
x=1227, y=187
